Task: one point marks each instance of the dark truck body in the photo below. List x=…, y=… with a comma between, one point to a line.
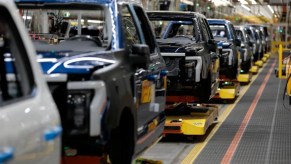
x=225, y=35
x=189, y=50
x=257, y=42
x=267, y=42
x=116, y=51
x=246, y=48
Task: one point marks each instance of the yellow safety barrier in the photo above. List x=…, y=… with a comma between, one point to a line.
x=280, y=53
x=276, y=44
x=285, y=62
x=289, y=87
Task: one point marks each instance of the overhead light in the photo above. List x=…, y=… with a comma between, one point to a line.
x=271, y=9
x=254, y=2
x=92, y=21
x=244, y=2
x=259, y=14
x=245, y=7
x=221, y=2
x=95, y=21
x=187, y=2
x=26, y=17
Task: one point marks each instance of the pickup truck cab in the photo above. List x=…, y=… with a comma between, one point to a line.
x=29, y=119
x=262, y=41
x=255, y=40
x=259, y=41
x=267, y=42
x=268, y=37
x=105, y=73
x=246, y=48
x=228, y=43
x=190, y=52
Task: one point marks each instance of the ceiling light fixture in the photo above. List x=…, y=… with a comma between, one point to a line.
x=245, y=7
x=254, y=2
x=221, y=2
x=187, y=2
x=27, y=17
x=271, y=9
x=244, y=2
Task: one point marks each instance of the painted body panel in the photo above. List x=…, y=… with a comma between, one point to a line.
x=229, y=59
x=26, y=123
x=184, y=51
x=246, y=51
x=114, y=78
x=255, y=40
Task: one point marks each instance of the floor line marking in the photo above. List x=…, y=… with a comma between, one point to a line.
x=236, y=140
x=272, y=126
x=193, y=154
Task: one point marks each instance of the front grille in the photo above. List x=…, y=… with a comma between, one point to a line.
x=174, y=65
x=224, y=59
x=74, y=114
x=181, y=76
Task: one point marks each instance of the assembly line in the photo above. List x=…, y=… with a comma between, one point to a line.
x=188, y=150
x=109, y=81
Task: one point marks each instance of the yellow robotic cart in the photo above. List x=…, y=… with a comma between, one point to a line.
x=190, y=119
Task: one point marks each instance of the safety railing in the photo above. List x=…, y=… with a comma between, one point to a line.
x=276, y=44
x=284, y=68
x=284, y=65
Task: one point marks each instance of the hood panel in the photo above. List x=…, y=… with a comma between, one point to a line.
x=70, y=63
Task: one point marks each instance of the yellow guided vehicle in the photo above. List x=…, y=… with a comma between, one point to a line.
x=190, y=119
x=229, y=43
x=254, y=69
x=193, y=70
x=228, y=90
x=267, y=55
x=259, y=63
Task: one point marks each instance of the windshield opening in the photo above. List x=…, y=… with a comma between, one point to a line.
x=174, y=29
x=240, y=35
x=61, y=28
x=219, y=31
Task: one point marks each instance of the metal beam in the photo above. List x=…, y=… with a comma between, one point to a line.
x=278, y=2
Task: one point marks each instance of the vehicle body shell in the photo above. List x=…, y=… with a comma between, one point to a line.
x=30, y=122
x=255, y=40
x=246, y=49
x=181, y=52
x=228, y=44
x=267, y=41
x=110, y=81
